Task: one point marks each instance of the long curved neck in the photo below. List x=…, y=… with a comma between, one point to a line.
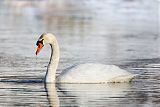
x=53, y=64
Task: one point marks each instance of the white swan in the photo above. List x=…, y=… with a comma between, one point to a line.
x=83, y=73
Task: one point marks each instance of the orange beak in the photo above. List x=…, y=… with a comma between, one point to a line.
x=40, y=46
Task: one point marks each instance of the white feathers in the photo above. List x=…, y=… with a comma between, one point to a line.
x=94, y=73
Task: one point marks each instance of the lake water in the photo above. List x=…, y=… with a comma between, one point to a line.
x=120, y=32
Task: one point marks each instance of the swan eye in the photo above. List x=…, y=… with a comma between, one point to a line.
x=39, y=41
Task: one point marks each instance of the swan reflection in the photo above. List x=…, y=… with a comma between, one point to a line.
x=52, y=95
x=86, y=94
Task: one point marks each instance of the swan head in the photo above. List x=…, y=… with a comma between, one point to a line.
x=45, y=38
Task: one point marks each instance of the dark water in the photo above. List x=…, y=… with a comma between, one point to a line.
x=120, y=32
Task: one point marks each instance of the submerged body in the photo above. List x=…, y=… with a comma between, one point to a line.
x=83, y=73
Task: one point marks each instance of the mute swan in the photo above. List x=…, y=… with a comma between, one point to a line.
x=83, y=73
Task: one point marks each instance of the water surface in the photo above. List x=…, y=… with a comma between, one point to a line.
x=120, y=32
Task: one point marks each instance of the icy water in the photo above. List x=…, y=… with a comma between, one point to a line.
x=120, y=32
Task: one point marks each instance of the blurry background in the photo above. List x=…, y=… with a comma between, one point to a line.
x=121, y=32
x=89, y=30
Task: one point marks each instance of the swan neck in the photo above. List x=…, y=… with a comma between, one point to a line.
x=54, y=59
x=53, y=63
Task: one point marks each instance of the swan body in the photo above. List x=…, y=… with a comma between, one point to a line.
x=83, y=73
x=94, y=73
